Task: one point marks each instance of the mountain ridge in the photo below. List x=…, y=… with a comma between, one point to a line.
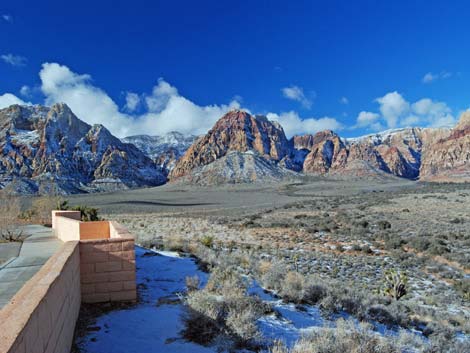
x=48, y=149
x=51, y=148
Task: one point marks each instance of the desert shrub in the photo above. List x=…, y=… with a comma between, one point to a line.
x=420, y=243
x=199, y=327
x=384, y=225
x=313, y=293
x=395, y=284
x=192, y=283
x=42, y=207
x=346, y=337
x=207, y=241
x=274, y=277
x=394, y=242
x=361, y=224
x=293, y=287
x=88, y=214
x=438, y=247
x=175, y=243
x=224, y=306
x=10, y=209
x=379, y=313
x=463, y=287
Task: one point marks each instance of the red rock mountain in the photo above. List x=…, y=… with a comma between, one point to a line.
x=235, y=131
x=446, y=154
x=412, y=153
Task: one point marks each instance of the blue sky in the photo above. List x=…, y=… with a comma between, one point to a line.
x=154, y=66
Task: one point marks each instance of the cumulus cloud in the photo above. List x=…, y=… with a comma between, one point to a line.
x=293, y=124
x=8, y=99
x=396, y=111
x=432, y=113
x=132, y=101
x=14, y=60
x=368, y=119
x=164, y=109
x=430, y=77
x=392, y=106
x=167, y=109
x=25, y=91
x=296, y=93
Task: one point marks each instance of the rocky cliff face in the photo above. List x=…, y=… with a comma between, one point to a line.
x=46, y=150
x=235, y=131
x=165, y=150
x=446, y=154
x=412, y=153
x=397, y=152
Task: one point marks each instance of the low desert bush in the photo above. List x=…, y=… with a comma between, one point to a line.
x=192, y=283
x=223, y=309
x=207, y=241
x=350, y=337
x=293, y=287
x=274, y=277
x=10, y=209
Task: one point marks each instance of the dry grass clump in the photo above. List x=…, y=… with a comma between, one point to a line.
x=10, y=208
x=223, y=311
x=353, y=338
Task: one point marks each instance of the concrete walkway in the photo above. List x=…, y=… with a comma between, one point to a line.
x=24, y=259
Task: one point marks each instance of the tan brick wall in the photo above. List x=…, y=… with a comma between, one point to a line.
x=94, y=230
x=107, y=268
x=41, y=317
x=65, y=228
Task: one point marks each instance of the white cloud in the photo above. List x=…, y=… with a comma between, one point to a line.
x=392, y=106
x=430, y=77
x=433, y=113
x=366, y=119
x=14, y=60
x=8, y=99
x=296, y=93
x=294, y=125
x=396, y=111
x=132, y=101
x=344, y=100
x=167, y=110
x=160, y=96
x=25, y=91
x=7, y=18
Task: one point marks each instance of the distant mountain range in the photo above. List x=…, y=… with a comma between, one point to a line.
x=49, y=150
x=412, y=153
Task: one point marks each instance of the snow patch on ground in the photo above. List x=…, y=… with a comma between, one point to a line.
x=154, y=324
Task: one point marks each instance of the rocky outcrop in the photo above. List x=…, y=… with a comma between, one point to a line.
x=237, y=167
x=235, y=131
x=327, y=151
x=446, y=154
x=51, y=150
x=397, y=152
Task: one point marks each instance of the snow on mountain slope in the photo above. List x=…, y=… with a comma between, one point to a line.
x=50, y=150
x=165, y=150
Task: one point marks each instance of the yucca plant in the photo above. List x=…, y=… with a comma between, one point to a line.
x=395, y=285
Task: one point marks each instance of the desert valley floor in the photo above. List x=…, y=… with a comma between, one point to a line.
x=313, y=251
